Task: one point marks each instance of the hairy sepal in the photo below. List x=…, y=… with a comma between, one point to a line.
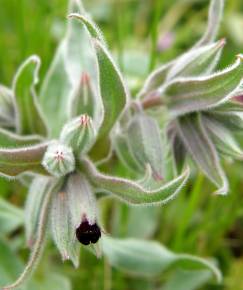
x=81, y=200
x=63, y=231
x=80, y=134
x=58, y=159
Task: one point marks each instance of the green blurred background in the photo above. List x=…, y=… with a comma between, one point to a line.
x=142, y=34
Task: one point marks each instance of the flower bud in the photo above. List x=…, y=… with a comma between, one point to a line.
x=58, y=159
x=84, y=99
x=79, y=134
x=83, y=209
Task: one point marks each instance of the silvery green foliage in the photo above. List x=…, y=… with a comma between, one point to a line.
x=84, y=111
x=204, y=106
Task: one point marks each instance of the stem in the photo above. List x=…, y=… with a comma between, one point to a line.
x=152, y=102
x=39, y=244
x=107, y=275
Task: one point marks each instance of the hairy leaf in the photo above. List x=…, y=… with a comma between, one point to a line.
x=214, y=18
x=36, y=194
x=145, y=144
x=132, y=192
x=194, y=94
x=223, y=138
x=11, y=217
x=111, y=83
x=196, y=62
x=7, y=118
x=90, y=25
x=197, y=142
x=16, y=161
x=187, y=279
x=12, y=140
x=148, y=258
x=74, y=56
x=122, y=150
x=29, y=119
x=156, y=79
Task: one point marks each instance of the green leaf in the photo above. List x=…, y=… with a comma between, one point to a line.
x=122, y=150
x=202, y=93
x=228, y=108
x=35, y=197
x=29, y=119
x=214, y=18
x=200, y=147
x=16, y=161
x=90, y=25
x=223, y=138
x=111, y=84
x=149, y=259
x=7, y=118
x=148, y=218
x=178, y=151
x=155, y=79
x=11, y=217
x=11, y=140
x=74, y=56
x=195, y=62
x=198, y=61
x=132, y=192
x=145, y=144
x=187, y=280
x=112, y=90
x=230, y=114
x=11, y=266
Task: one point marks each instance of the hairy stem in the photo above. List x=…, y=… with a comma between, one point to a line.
x=151, y=102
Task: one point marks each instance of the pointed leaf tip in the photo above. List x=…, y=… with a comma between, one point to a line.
x=132, y=192
x=29, y=117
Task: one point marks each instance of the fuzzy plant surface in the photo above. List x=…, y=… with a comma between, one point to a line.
x=56, y=140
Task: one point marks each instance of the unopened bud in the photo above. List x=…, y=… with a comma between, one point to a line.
x=83, y=210
x=59, y=160
x=83, y=100
x=79, y=134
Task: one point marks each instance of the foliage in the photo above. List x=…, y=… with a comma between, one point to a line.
x=61, y=142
